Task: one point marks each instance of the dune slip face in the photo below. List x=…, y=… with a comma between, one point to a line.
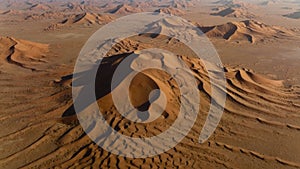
x=247, y=30
x=260, y=125
x=255, y=103
x=28, y=55
x=85, y=19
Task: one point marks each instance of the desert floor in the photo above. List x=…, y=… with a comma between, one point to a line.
x=260, y=127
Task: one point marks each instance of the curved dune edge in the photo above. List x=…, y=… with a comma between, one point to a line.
x=248, y=30
x=85, y=18
x=25, y=54
x=40, y=7
x=257, y=109
x=11, y=12
x=124, y=9
x=234, y=12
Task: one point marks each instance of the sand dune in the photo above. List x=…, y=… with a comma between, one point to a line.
x=181, y=4
x=124, y=9
x=40, y=8
x=171, y=11
x=254, y=101
x=11, y=12
x=248, y=30
x=109, y=5
x=45, y=15
x=82, y=19
x=295, y=15
x=246, y=90
x=257, y=109
x=234, y=12
x=71, y=7
x=28, y=55
x=39, y=127
x=83, y=6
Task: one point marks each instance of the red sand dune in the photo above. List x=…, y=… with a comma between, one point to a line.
x=248, y=30
x=82, y=19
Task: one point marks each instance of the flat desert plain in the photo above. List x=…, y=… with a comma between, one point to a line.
x=258, y=42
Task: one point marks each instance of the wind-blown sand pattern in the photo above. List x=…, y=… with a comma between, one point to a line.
x=260, y=127
x=255, y=103
x=24, y=53
x=248, y=30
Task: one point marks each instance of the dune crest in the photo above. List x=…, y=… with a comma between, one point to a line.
x=248, y=30
x=24, y=53
x=171, y=11
x=181, y=4
x=245, y=90
x=254, y=103
x=40, y=8
x=260, y=125
x=234, y=12
x=124, y=9
x=83, y=6
x=11, y=12
x=248, y=76
x=82, y=19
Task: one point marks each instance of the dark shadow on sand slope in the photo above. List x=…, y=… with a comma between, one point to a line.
x=103, y=86
x=104, y=76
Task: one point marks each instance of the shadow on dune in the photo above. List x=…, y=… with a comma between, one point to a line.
x=103, y=85
x=103, y=78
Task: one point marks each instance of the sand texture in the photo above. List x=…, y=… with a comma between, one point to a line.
x=257, y=41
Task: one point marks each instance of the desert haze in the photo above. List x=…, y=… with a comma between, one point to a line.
x=258, y=42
